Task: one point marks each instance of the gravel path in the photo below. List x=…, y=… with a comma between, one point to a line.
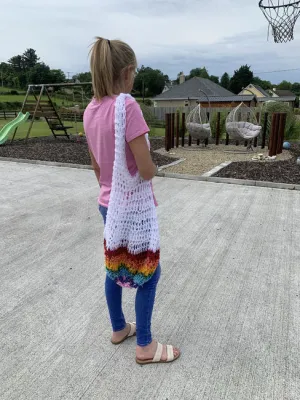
x=200, y=160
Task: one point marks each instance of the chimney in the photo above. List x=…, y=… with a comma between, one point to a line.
x=181, y=78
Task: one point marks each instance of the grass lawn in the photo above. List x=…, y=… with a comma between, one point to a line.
x=157, y=132
x=41, y=128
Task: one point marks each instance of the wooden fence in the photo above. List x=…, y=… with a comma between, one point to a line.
x=8, y=114
x=65, y=116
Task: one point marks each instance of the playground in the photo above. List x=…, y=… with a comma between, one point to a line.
x=236, y=320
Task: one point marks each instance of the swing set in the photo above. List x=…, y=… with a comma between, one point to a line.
x=43, y=106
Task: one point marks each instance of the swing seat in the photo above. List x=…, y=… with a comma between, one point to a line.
x=199, y=131
x=243, y=129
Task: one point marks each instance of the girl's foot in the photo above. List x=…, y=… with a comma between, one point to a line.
x=145, y=355
x=120, y=336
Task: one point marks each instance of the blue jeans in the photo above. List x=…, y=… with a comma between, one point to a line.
x=144, y=302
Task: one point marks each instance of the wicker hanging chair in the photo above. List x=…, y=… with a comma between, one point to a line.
x=241, y=123
x=197, y=122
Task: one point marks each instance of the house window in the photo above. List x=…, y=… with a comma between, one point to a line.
x=186, y=103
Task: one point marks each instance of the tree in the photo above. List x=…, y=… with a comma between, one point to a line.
x=241, y=78
x=17, y=63
x=225, y=79
x=149, y=82
x=57, y=76
x=285, y=85
x=266, y=85
x=30, y=58
x=198, y=72
x=214, y=79
x=295, y=87
x=39, y=74
x=83, y=77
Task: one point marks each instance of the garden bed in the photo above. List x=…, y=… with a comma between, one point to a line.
x=286, y=171
x=63, y=150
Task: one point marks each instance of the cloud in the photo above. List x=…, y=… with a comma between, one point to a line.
x=170, y=35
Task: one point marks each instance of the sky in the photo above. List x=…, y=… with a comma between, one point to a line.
x=169, y=35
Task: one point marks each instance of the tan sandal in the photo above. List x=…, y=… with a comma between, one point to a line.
x=132, y=332
x=158, y=354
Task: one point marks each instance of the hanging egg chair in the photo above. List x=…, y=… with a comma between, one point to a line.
x=197, y=122
x=241, y=123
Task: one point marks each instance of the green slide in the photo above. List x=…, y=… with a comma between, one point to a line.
x=12, y=125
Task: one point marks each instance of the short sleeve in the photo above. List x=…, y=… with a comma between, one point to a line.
x=135, y=123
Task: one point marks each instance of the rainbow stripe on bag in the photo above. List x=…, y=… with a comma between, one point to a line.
x=130, y=270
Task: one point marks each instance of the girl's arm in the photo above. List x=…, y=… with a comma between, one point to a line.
x=141, y=152
x=95, y=166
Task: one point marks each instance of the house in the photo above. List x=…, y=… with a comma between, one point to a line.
x=285, y=96
x=189, y=92
x=254, y=89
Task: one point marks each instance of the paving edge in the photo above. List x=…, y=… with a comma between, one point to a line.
x=200, y=178
x=171, y=164
x=242, y=182
x=217, y=168
x=48, y=163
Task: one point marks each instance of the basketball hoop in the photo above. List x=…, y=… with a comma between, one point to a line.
x=282, y=17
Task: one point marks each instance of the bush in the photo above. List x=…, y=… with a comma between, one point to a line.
x=148, y=102
x=14, y=92
x=213, y=123
x=13, y=105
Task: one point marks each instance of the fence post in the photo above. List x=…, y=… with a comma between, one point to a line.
x=182, y=129
x=177, y=128
x=256, y=139
x=167, y=133
x=190, y=140
x=265, y=128
x=274, y=135
x=281, y=128
x=173, y=130
x=227, y=139
x=218, y=128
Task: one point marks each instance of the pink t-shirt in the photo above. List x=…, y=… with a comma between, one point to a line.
x=99, y=127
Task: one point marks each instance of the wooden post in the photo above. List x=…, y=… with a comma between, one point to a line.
x=227, y=139
x=237, y=142
x=167, y=132
x=256, y=139
x=22, y=109
x=206, y=142
x=182, y=129
x=282, y=121
x=177, y=129
x=190, y=140
x=34, y=113
x=198, y=142
x=264, y=134
x=218, y=128
x=274, y=135
x=172, y=130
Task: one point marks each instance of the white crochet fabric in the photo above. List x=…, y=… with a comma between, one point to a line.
x=131, y=218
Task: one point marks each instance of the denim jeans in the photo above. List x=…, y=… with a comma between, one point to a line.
x=144, y=302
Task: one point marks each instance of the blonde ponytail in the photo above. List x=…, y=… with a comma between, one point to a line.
x=108, y=60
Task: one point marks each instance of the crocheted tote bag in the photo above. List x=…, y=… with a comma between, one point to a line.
x=131, y=236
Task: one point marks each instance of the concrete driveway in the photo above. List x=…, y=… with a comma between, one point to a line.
x=228, y=296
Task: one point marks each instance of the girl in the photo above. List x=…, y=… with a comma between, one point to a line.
x=110, y=115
